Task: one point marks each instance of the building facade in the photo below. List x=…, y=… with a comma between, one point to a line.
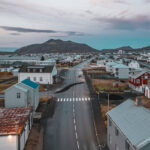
x=39, y=74
x=23, y=94
x=15, y=126
x=128, y=127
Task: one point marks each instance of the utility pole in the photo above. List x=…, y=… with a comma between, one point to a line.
x=108, y=101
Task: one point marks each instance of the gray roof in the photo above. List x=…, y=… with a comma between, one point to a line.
x=133, y=121
x=139, y=74
x=121, y=66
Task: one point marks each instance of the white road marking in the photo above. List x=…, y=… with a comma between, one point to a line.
x=75, y=127
x=76, y=135
x=78, y=145
x=73, y=99
x=74, y=121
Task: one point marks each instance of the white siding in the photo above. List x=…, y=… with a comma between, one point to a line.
x=8, y=142
x=11, y=99
x=46, y=77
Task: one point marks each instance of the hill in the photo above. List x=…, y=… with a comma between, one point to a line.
x=56, y=46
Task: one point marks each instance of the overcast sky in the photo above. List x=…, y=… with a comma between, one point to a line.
x=99, y=23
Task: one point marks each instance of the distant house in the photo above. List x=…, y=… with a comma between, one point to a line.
x=109, y=66
x=39, y=74
x=128, y=127
x=134, y=65
x=139, y=81
x=121, y=71
x=23, y=94
x=15, y=126
x=6, y=69
x=101, y=63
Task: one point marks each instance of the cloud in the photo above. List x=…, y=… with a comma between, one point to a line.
x=89, y=12
x=29, y=30
x=16, y=34
x=26, y=30
x=138, y=22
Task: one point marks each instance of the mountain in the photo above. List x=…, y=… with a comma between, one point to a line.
x=56, y=46
x=124, y=48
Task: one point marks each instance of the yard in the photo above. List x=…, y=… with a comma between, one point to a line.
x=4, y=86
x=107, y=85
x=5, y=76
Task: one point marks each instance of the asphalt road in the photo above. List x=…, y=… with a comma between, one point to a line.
x=71, y=127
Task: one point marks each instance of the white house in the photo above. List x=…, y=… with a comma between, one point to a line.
x=23, y=94
x=15, y=125
x=101, y=63
x=134, y=65
x=109, y=66
x=121, y=71
x=39, y=74
x=128, y=127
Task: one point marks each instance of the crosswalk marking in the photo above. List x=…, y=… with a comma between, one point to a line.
x=74, y=99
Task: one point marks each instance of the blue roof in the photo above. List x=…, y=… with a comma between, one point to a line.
x=30, y=83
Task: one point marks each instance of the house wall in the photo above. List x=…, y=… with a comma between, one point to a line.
x=8, y=142
x=115, y=142
x=45, y=76
x=123, y=73
x=11, y=99
x=32, y=97
x=147, y=92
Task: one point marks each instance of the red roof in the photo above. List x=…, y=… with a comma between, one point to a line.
x=12, y=120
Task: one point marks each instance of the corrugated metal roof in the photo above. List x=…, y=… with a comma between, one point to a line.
x=10, y=117
x=139, y=74
x=111, y=63
x=133, y=121
x=121, y=66
x=30, y=83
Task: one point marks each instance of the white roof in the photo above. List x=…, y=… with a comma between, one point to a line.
x=121, y=66
x=133, y=121
x=111, y=63
x=20, y=87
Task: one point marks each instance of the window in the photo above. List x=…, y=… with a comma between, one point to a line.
x=146, y=77
x=138, y=81
x=127, y=146
x=18, y=95
x=40, y=70
x=116, y=132
x=110, y=123
x=110, y=140
x=34, y=78
x=41, y=79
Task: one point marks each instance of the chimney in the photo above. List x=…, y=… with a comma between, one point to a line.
x=138, y=101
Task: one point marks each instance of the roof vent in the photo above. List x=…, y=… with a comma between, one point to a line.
x=138, y=101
